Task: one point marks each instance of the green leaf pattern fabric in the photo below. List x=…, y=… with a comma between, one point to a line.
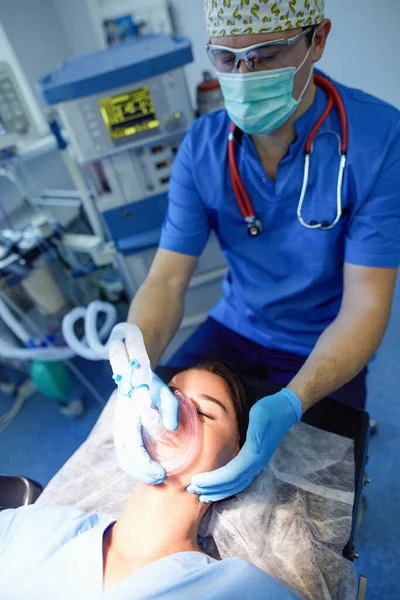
x=238, y=17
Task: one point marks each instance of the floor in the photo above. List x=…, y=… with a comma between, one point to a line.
x=379, y=539
x=50, y=437
x=40, y=440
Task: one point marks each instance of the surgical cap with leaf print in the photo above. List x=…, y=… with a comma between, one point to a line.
x=239, y=17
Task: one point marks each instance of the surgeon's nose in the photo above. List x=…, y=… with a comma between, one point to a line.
x=243, y=68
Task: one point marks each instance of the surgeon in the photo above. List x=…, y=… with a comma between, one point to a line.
x=313, y=260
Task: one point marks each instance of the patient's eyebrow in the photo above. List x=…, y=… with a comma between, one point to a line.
x=211, y=399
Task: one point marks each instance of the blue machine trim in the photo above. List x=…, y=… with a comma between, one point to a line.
x=137, y=226
x=120, y=65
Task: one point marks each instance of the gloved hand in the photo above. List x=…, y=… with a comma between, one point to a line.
x=132, y=456
x=270, y=420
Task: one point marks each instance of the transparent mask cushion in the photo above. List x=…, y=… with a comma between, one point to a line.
x=173, y=450
x=176, y=450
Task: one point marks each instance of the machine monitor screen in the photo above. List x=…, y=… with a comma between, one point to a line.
x=129, y=113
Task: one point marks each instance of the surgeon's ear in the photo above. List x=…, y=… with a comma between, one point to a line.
x=320, y=38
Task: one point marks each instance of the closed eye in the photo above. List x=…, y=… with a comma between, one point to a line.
x=199, y=412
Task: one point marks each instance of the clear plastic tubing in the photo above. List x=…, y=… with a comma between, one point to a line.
x=136, y=383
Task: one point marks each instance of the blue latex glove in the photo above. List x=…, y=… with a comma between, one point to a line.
x=132, y=456
x=270, y=420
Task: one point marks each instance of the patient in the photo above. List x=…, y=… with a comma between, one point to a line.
x=152, y=550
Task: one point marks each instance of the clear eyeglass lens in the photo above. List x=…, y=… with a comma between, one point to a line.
x=260, y=59
x=223, y=60
x=268, y=57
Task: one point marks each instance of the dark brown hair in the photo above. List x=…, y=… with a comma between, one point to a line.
x=241, y=395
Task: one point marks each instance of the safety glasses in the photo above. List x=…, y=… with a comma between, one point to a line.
x=257, y=58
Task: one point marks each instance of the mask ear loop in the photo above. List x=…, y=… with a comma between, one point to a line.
x=311, y=70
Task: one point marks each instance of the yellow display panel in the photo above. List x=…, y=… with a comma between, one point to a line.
x=129, y=113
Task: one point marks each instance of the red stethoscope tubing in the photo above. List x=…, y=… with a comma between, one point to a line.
x=241, y=195
x=334, y=97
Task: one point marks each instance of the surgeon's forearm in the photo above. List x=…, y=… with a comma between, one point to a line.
x=340, y=354
x=157, y=309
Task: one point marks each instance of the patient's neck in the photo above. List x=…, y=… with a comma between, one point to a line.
x=157, y=521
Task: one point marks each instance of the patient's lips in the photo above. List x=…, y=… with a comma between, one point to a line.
x=174, y=450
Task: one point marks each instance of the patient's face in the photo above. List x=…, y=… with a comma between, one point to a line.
x=218, y=424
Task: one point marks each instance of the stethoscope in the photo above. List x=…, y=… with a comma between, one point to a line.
x=254, y=225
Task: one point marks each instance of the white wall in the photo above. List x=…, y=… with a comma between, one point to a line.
x=188, y=19
x=75, y=19
x=364, y=48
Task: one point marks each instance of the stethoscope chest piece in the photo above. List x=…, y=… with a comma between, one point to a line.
x=254, y=228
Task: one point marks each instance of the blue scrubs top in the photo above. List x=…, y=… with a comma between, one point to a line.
x=285, y=287
x=56, y=553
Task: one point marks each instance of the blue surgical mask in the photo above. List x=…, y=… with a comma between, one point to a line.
x=262, y=101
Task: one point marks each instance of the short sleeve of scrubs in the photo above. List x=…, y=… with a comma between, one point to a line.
x=373, y=237
x=30, y=535
x=35, y=523
x=186, y=227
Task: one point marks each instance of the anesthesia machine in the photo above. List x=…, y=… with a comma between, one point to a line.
x=125, y=111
